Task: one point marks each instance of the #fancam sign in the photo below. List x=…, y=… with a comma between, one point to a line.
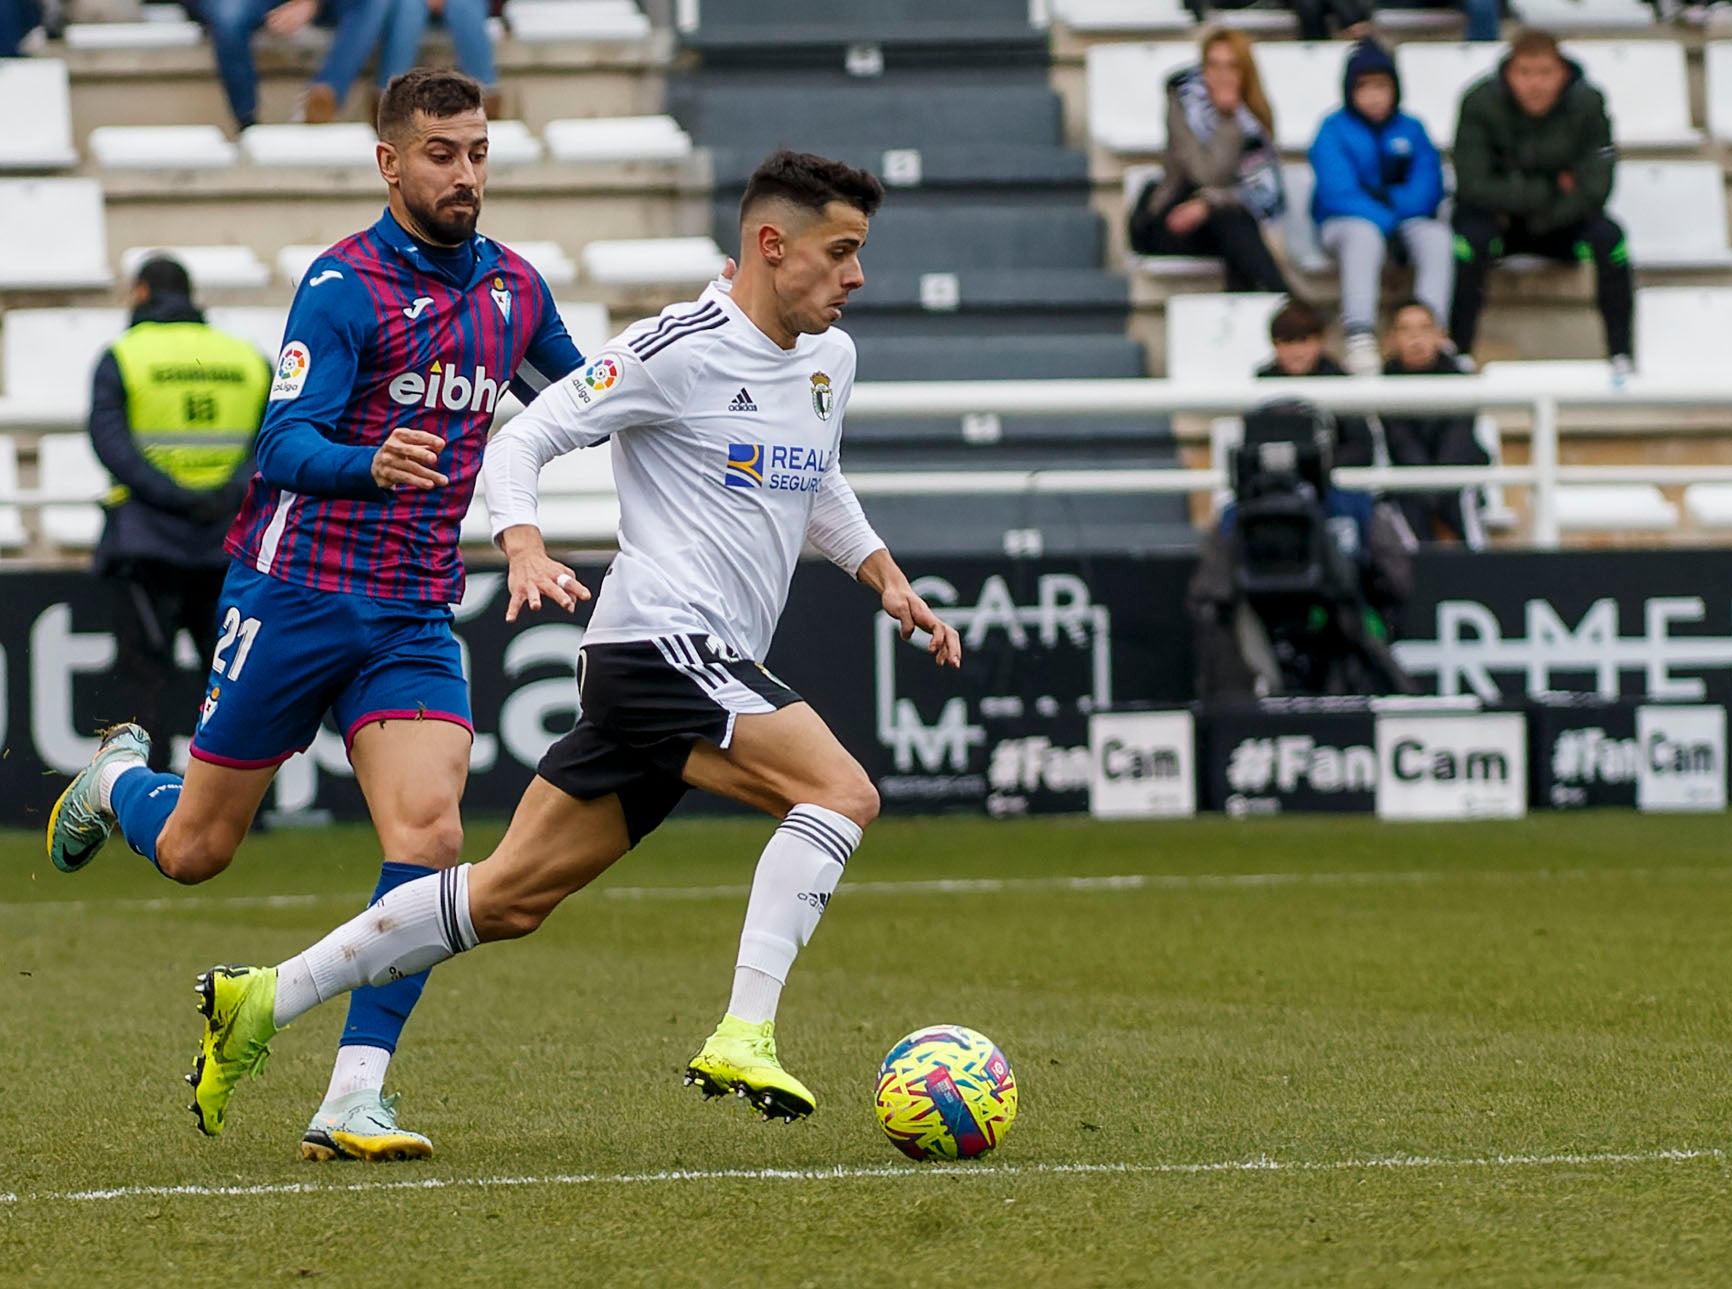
x=1680, y=758
x=1452, y=767
x=1142, y=765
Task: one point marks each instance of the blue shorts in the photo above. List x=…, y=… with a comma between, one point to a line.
x=287, y=654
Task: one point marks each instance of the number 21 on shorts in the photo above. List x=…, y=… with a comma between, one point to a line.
x=234, y=628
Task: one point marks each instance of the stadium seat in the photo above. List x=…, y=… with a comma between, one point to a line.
x=1647, y=89
x=1717, y=69
x=1127, y=93
x=993, y=300
x=1424, y=20
x=863, y=39
x=1673, y=213
x=347, y=145
x=56, y=235
x=66, y=465
x=1434, y=76
x=550, y=260
x=1585, y=15
x=1709, y=505
x=162, y=147
x=294, y=261
x=12, y=534
x=578, y=502
x=618, y=138
x=212, y=268
x=1103, y=17
x=1218, y=338
x=1303, y=82
x=587, y=324
x=261, y=324
x=1136, y=178
x=1080, y=357
x=509, y=143
x=49, y=356
x=582, y=21
x=952, y=238
x=1682, y=329
x=1617, y=507
x=37, y=106
x=1273, y=23
x=652, y=261
x=134, y=35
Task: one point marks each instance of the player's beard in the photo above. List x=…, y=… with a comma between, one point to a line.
x=451, y=226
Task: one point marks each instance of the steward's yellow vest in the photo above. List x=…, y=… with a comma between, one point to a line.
x=194, y=399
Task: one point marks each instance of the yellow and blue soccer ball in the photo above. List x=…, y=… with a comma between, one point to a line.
x=945, y=1092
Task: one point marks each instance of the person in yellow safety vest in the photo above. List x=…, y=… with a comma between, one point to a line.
x=173, y=410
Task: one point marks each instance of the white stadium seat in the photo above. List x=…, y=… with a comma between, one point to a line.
x=1409, y=22
x=133, y=35
x=618, y=138
x=1717, y=64
x=548, y=259
x=1218, y=338
x=346, y=145
x=578, y=502
x=12, y=534
x=1647, y=90
x=1709, y=505
x=1614, y=507
x=1256, y=22
x=1433, y=77
x=56, y=235
x=162, y=147
x=1682, y=329
x=1673, y=213
x=1135, y=179
x=1302, y=80
x=66, y=465
x=510, y=143
x=588, y=21
x=1586, y=15
x=261, y=324
x=652, y=261
x=1100, y=17
x=37, y=107
x=49, y=356
x=294, y=261
x=212, y=268
x=588, y=324
x=1127, y=93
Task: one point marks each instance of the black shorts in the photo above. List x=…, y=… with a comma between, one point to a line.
x=644, y=704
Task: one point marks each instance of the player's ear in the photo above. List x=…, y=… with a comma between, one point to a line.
x=772, y=245
x=387, y=157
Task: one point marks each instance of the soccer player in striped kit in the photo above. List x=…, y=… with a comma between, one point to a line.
x=400, y=342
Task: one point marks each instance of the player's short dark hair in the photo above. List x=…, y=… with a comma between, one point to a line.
x=812, y=183
x=1531, y=40
x=1295, y=320
x=1412, y=302
x=436, y=91
x=162, y=275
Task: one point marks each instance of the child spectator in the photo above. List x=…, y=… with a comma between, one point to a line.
x=1417, y=349
x=1296, y=332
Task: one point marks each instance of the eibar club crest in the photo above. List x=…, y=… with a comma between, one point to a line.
x=502, y=298
x=823, y=398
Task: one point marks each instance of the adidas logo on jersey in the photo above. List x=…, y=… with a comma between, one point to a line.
x=742, y=402
x=450, y=390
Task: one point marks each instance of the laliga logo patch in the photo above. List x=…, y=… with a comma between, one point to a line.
x=501, y=298
x=601, y=375
x=823, y=399
x=292, y=368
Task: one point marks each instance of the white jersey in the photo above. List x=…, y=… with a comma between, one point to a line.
x=726, y=459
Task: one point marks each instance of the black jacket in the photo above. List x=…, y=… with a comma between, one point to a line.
x=160, y=520
x=1353, y=442
x=1445, y=439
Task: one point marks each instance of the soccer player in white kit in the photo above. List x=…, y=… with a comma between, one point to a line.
x=725, y=418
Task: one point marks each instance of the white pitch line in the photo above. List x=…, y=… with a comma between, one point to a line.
x=946, y=886
x=1261, y=1164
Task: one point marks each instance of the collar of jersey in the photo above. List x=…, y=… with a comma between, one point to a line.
x=389, y=233
x=723, y=296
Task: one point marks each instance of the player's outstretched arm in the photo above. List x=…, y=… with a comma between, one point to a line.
x=880, y=572
x=535, y=574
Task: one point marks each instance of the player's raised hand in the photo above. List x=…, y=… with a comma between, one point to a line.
x=408, y=459
x=535, y=575
x=914, y=614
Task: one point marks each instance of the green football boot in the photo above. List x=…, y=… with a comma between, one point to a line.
x=741, y=1058
x=362, y=1125
x=238, y=1005
x=77, y=826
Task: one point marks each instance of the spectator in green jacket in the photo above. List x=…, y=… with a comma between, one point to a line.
x=1533, y=169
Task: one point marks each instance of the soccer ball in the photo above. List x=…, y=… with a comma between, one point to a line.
x=945, y=1092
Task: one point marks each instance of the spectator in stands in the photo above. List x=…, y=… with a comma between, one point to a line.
x=1533, y=169
x=18, y=18
x=231, y=24
x=173, y=411
x=1379, y=182
x=1223, y=175
x=1296, y=332
x=466, y=20
x=1417, y=349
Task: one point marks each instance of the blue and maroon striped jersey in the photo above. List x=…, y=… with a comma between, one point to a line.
x=383, y=334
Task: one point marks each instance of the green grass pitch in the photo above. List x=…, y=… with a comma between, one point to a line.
x=1283, y=1052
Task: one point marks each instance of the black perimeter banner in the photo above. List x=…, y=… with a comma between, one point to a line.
x=1045, y=643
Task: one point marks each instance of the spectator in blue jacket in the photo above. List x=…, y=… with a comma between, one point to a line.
x=1379, y=182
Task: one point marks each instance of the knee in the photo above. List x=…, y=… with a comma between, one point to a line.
x=433, y=842
x=855, y=798
x=191, y=859
x=1603, y=237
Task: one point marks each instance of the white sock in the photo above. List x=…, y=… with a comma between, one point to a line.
x=110, y=776
x=415, y=926
x=358, y=1069
x=795, y=878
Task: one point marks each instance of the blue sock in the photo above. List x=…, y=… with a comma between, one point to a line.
x=377, y=1012
x=142, y=801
